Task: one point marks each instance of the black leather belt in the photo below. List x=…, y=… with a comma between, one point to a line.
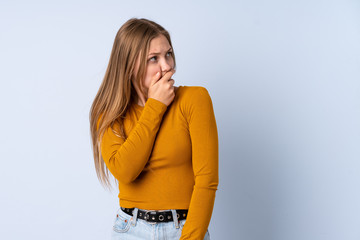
x=157, y=216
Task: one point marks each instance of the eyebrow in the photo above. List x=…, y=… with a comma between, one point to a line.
x=159, y=53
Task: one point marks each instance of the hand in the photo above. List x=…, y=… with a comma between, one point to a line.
x=162, y=89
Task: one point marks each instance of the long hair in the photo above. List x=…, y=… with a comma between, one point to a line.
x=116, y=91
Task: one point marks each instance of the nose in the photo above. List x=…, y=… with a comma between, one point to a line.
x=166, y=67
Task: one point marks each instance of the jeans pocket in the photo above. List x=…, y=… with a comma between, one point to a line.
x=182, y=223
x=122, y=222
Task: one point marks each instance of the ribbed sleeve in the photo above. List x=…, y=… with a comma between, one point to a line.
x=204, y=141
x=126, y=158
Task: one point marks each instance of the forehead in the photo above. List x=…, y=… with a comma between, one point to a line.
x=159, y=43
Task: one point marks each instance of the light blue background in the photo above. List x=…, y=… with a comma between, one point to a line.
x=284, y=77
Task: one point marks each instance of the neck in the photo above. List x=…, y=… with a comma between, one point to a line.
x=140, y=100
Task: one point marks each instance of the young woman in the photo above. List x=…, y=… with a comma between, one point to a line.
x=159, y=141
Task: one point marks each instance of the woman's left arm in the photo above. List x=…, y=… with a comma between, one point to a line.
x=205, y=161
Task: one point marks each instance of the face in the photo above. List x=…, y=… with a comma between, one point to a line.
x=159, y=59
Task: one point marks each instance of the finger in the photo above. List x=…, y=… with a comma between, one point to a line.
x=172, y=81
x=155, y=78
x=168, y=75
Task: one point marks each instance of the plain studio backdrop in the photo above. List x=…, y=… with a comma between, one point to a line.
x=284, y=77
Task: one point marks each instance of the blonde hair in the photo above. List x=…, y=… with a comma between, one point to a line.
x=116, y=91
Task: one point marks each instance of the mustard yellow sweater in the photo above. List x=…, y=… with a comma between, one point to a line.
x=170, y=157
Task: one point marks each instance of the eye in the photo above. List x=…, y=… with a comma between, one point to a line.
x=152, y=58
x=155, y=57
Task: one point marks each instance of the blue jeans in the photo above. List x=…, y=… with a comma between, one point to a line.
x=128, y=227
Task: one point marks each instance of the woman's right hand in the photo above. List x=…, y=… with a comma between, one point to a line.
x=162, y=89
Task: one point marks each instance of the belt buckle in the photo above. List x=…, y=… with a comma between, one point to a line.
x=161, y=217
x=148, y=217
